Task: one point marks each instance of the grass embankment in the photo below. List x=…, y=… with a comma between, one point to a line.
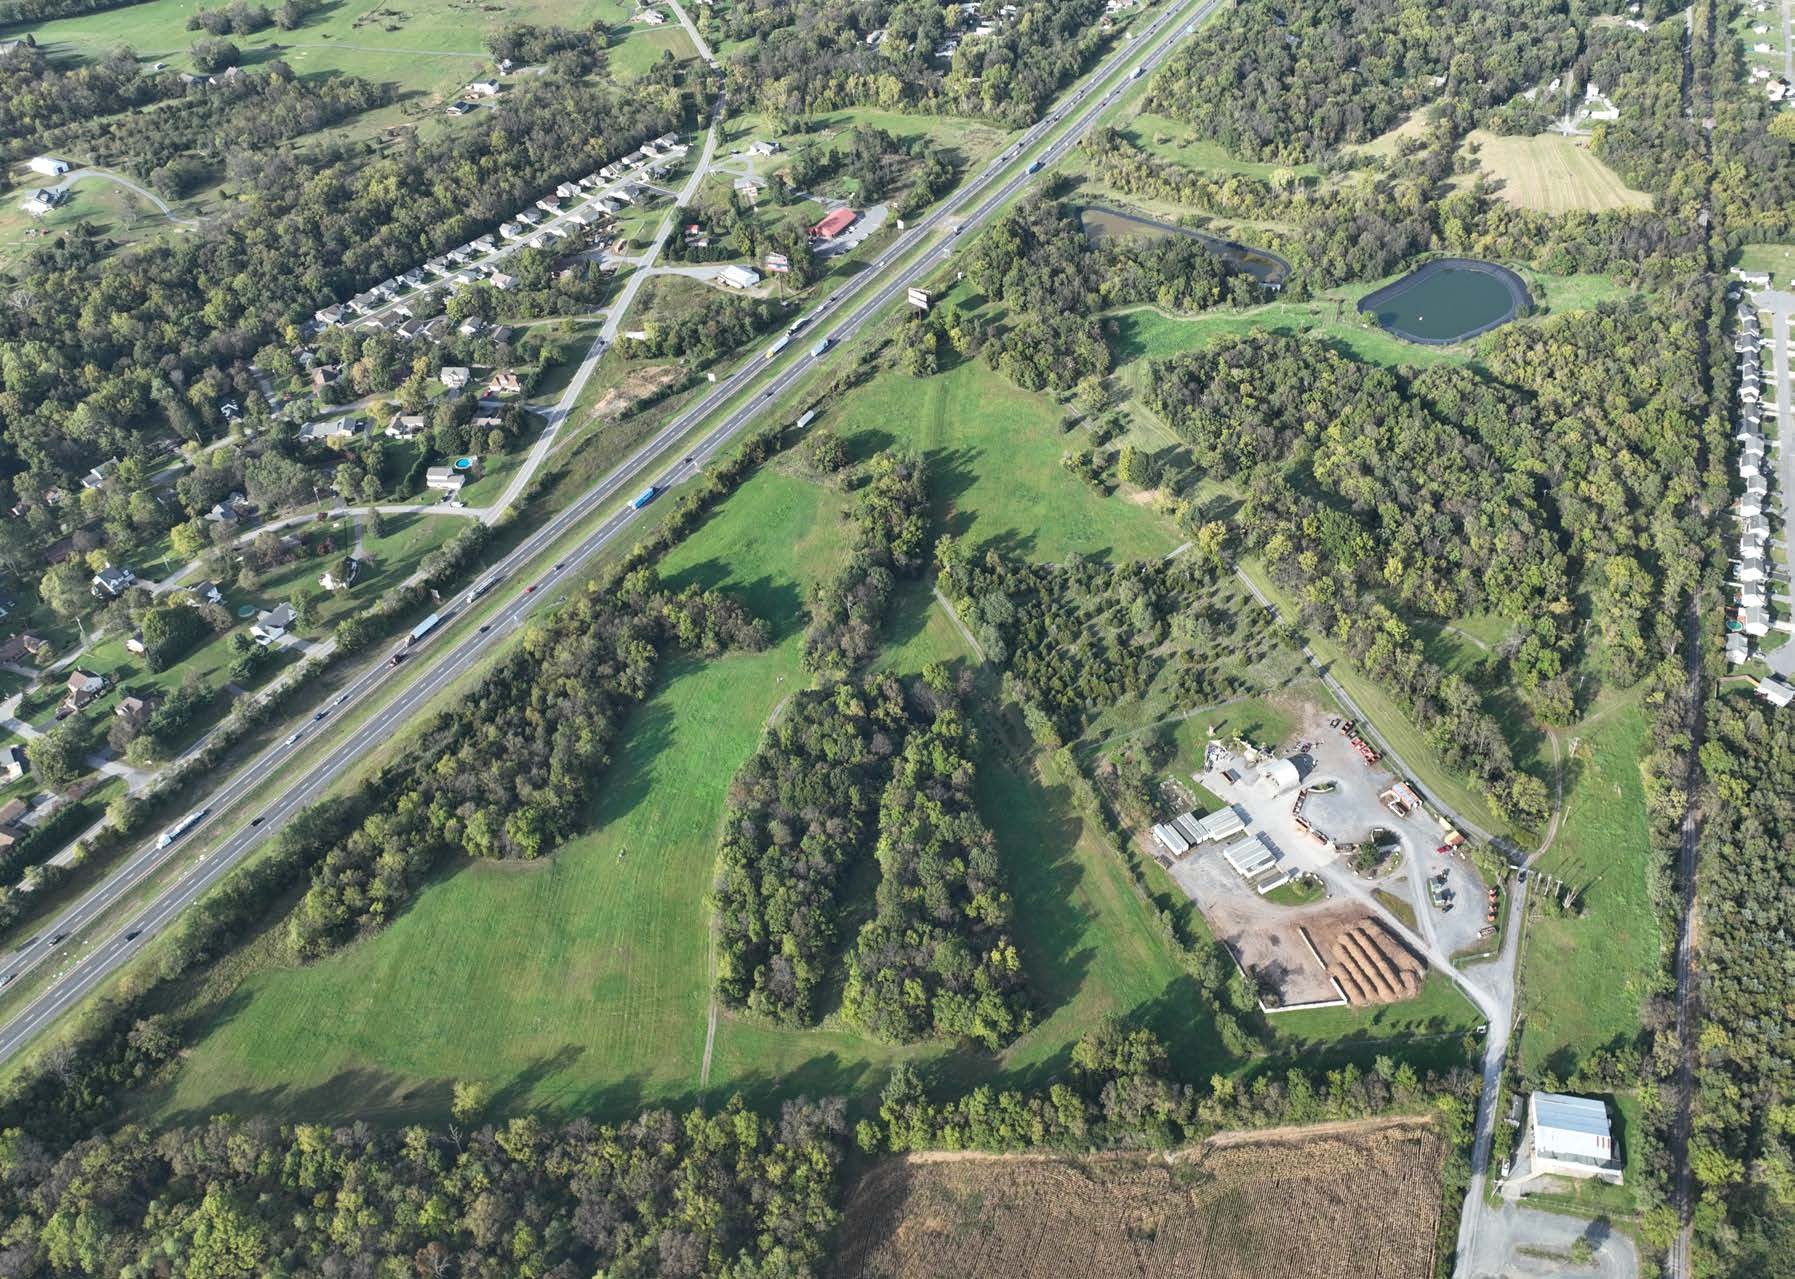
x=1584, y=977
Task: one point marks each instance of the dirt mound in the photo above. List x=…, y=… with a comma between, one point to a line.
x=638, y=385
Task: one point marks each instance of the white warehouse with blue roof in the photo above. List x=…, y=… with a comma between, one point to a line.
x=1572, y=1137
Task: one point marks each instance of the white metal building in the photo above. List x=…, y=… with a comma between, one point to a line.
x=1279, y=775
x=1221, y=824
x=1571, y=1137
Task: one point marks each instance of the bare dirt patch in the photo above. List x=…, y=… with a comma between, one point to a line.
x=639, y=384
x=1348, y=1201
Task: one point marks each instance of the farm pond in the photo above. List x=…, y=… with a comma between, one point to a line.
x=1262, y=264
x=1448, y=300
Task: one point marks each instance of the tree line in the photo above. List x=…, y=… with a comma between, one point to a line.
x=936, y=959
x=1078, y=638
x=506, y=773
x=1743, y=1149
x=214, y=128
x=1285, y=83
x=890, y=540
x=810, y=58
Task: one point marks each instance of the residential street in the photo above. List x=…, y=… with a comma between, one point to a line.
x=1781, y=304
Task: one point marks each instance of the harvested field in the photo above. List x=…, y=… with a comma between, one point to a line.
x=1348, y=1201
x=1553, y=174
x=1371, y=966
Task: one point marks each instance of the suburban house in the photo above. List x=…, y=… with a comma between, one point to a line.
x=272, y=624
x=505, y=382
x=453, y=376
x=513, y=231
x=503, y=282
x=500, y=334
x=324, y=375
x=405, y=426
x=97, y=477
x=26, y=645
x=1738, y=648
x=110, y=582
x=568, y=190
x=739, y=277
x=483, y=89
x=205, y=592
x=412, y=329
x=11, y=832
x=1775, y=691
x=1570, y=1137
x=83, y=687
x=222, y=513
x=445, y=479
x=470, y=326
x=529, y=217
x=14, y=762
x=136, y=709
x=335, y=431
x=41, y=202
x=763, y=148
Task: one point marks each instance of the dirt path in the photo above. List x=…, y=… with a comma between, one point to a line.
x=1289, y=1134
x=1558, y=801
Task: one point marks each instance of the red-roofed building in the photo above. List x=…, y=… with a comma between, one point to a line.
x=834, y=223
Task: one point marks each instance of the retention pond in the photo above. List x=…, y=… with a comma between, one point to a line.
x=1448, y=300
x=1262, y=264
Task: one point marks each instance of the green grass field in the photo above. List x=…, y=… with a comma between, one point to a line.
x=1584, y=978
x=582, y=981
x=1777, y=259
x=1173, y=140
x=994, y=465
x=429, y=48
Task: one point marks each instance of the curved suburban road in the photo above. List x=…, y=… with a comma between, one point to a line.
x=855, y=305
x=73, y=176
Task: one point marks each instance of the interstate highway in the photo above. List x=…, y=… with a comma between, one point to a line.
x=990, y=190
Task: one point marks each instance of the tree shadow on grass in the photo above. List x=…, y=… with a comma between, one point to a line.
x=380, y=1097
x=777, y=602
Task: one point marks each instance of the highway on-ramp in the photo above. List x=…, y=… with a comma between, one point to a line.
x=860, y=300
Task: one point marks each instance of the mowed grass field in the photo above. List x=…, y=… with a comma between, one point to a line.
x=1553, y=174
x=994, y=465
x=581, y=983
x=433, y=48
x=1583, y=978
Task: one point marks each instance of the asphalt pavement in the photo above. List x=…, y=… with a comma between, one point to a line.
x=92, y=965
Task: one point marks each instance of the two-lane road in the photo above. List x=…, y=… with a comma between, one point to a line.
x=860, y=300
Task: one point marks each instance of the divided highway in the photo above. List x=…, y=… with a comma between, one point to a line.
x=860, y=300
